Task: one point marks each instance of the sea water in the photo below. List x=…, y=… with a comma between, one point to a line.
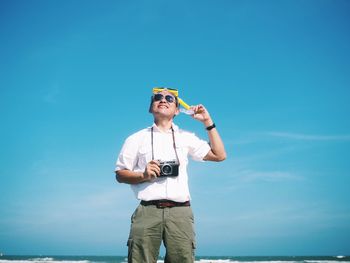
x=203, y=259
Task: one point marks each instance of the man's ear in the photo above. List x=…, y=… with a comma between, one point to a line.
x=150, y=105
x=177, y=111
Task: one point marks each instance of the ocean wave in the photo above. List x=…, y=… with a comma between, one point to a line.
x=42, y=260
x=214, y=261
x=119, y=259
x=207, y=261
x=210, y=261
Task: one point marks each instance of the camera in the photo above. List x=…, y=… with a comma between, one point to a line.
x=169, y=168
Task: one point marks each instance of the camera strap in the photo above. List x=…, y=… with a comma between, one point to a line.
x=174, y=144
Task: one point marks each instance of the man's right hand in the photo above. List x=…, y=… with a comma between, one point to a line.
x=152, y=170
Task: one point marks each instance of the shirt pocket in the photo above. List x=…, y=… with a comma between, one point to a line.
x=144, y=156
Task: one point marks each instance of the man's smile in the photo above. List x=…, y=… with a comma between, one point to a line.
x=163, y=106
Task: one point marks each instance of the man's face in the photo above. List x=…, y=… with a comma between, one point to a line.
x=164, y=105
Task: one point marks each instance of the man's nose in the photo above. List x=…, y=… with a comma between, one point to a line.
x=163, y=99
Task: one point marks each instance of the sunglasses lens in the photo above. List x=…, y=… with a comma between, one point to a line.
x=169, y=98
x=158, y=97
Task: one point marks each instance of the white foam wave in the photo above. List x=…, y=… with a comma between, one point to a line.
x=47, y=259
x=258, y=261
x=208, y=261
x=214, y=261
x=42, y=260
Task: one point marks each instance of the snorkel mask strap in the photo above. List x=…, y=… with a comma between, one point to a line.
x=175, y=92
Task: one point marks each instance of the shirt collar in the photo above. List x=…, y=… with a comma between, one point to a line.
x=175, y=127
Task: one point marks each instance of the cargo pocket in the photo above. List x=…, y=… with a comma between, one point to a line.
x=193, y=250
x=136, y=213
x=130, y=245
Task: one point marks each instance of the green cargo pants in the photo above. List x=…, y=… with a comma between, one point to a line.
x=151, y=225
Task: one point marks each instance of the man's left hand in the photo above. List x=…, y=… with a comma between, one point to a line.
x=201, y=114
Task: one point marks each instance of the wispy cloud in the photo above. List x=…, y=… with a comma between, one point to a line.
x=269, y=176
x=52, y=94
x=309, y=137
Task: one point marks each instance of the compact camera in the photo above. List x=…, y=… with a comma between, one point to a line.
x=169, y=168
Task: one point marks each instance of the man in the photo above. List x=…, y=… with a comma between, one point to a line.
x=154, y=161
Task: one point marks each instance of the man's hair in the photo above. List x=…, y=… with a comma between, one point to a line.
x=152, y=100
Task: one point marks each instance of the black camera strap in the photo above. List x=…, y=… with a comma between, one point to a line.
x=174, y=144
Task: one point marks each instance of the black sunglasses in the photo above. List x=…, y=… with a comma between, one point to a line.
x=159, y=97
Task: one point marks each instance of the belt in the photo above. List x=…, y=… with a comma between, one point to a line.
x=165, y=203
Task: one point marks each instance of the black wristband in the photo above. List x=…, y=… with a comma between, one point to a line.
x=210, y=127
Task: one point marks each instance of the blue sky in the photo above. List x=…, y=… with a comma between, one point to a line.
x=76, y=77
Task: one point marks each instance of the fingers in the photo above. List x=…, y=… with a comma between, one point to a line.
x=200, y=113
x=152, y=170
x=198, y=109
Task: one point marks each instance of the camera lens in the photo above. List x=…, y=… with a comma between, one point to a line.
x=166, y=169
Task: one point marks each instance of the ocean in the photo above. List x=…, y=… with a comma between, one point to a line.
x=208, y=259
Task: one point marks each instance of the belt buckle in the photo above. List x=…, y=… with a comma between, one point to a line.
x=163, y=204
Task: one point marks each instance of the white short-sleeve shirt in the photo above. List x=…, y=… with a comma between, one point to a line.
x=137, y=152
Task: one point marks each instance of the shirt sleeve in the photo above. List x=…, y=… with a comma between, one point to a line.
x=127, y=158
x=198, y=148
